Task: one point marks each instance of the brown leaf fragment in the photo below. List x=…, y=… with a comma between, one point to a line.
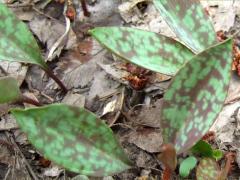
x=148, y=139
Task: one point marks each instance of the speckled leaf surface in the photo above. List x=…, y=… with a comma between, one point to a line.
x=189, y=22
x=207, y=169
x=9, y=90
x=146, y=49
x=74, y=138
x=16, y=41
x=195, y=96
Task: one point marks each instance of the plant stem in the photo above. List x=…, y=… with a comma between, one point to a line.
x=28, y=100
x=84, y=8
x=167, y=174
x=55, y=78
x=230, y=157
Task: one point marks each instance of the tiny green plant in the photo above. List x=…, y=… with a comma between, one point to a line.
x=79, y=141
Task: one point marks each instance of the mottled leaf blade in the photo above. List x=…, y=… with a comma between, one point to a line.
x=187, y=165
x=196, y=96
x=74, y=138
x=207, y=169
x=146, y=49
x=189, y=22
x=16, y=41
x=9, y=90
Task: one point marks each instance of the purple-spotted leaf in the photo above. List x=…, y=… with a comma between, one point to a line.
x=9, y=90
x=16, y=41
x=189, y=22
x=195, y=96
x=74, y=138
x=207, y=169
x=146, y=49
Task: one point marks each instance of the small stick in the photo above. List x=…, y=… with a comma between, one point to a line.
x=84, y=8
x=27, y=165
x=28, y=100
x=55, y=78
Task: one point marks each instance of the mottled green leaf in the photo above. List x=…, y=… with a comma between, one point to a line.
x=195, y=96
x=9, y=90
x=187, y=165
x=202, y=148
x=189, y=21
x=207, y=169
x=74, y=138
x=146, y=49
x=16, y=41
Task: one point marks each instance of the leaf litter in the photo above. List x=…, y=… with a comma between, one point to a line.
x=93, y=82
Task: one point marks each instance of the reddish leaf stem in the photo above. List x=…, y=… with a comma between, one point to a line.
x=84, y=8
x=230, y=157
x=167, y=174
x=55, y=78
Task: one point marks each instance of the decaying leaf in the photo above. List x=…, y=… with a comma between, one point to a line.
x=146, y=49
x=195, y=96
x=207, y=169
x=9, y=90
x=16, y=41
x=189, y=21
x=74, y=138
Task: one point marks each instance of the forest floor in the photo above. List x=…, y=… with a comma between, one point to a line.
x=97, y=80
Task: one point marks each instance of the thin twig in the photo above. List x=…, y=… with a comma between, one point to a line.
x=3, y=71
x=20, y=5
x=46, y=15
x=6, y=175
x=28, y=100
x=55, y=78
x=124, y=126
x=84, y=8
x=22, y=156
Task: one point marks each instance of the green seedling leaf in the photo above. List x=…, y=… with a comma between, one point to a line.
x=195, y=96
x=74, y=138
x=16, y=41
x=9, y=90
x=217, y=154
x=202, y=148
x=207, y=169
x=146, y=49
x=187, y=165
x=205, y=149
x=189, y=22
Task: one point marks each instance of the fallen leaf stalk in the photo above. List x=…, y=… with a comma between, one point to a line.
x=56, y=79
